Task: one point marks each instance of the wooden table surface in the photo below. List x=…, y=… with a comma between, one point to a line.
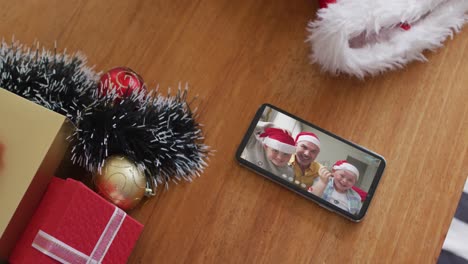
x=236, y=55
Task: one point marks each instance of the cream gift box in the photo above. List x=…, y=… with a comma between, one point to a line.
x=32, y=146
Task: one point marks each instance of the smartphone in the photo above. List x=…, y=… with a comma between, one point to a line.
x=339, y=175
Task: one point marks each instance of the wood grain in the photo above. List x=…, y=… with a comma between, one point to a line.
x=236, y=55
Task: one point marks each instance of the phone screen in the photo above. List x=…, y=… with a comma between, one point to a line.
x=319, y=165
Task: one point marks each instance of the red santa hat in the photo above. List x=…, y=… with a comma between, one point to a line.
x=279, y=139
x=308, y=136
x=324, y=3
x=368, y=37
x=345, y=165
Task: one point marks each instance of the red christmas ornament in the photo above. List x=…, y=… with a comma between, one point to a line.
x=124, y=80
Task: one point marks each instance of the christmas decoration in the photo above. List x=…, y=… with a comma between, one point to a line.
x=121, y=182
x=34, y=140
x=367, y=37
x=159, y=133
x=124, y=80
x=75, y=225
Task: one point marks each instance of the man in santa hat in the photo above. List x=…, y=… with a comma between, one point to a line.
x=303, y=162
x=271, y=149
x=336, y=186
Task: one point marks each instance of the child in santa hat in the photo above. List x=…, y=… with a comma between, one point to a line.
x=271, y=149
x=336, y=187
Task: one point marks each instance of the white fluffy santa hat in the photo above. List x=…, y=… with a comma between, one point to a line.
x=367, y=37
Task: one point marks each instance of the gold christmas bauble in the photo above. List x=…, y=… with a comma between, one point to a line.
x=121, y=182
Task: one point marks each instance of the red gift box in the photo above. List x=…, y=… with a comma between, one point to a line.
x=73, y=224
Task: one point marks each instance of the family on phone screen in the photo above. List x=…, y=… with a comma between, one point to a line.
x=275, y=150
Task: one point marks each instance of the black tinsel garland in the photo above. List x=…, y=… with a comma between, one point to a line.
x=158, y=132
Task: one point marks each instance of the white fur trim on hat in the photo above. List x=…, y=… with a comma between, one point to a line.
x=283, y=147
x=309, y=138
x=385, y=46
x=347, y=167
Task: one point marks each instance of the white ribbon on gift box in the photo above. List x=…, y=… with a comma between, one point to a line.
x=63, y=253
